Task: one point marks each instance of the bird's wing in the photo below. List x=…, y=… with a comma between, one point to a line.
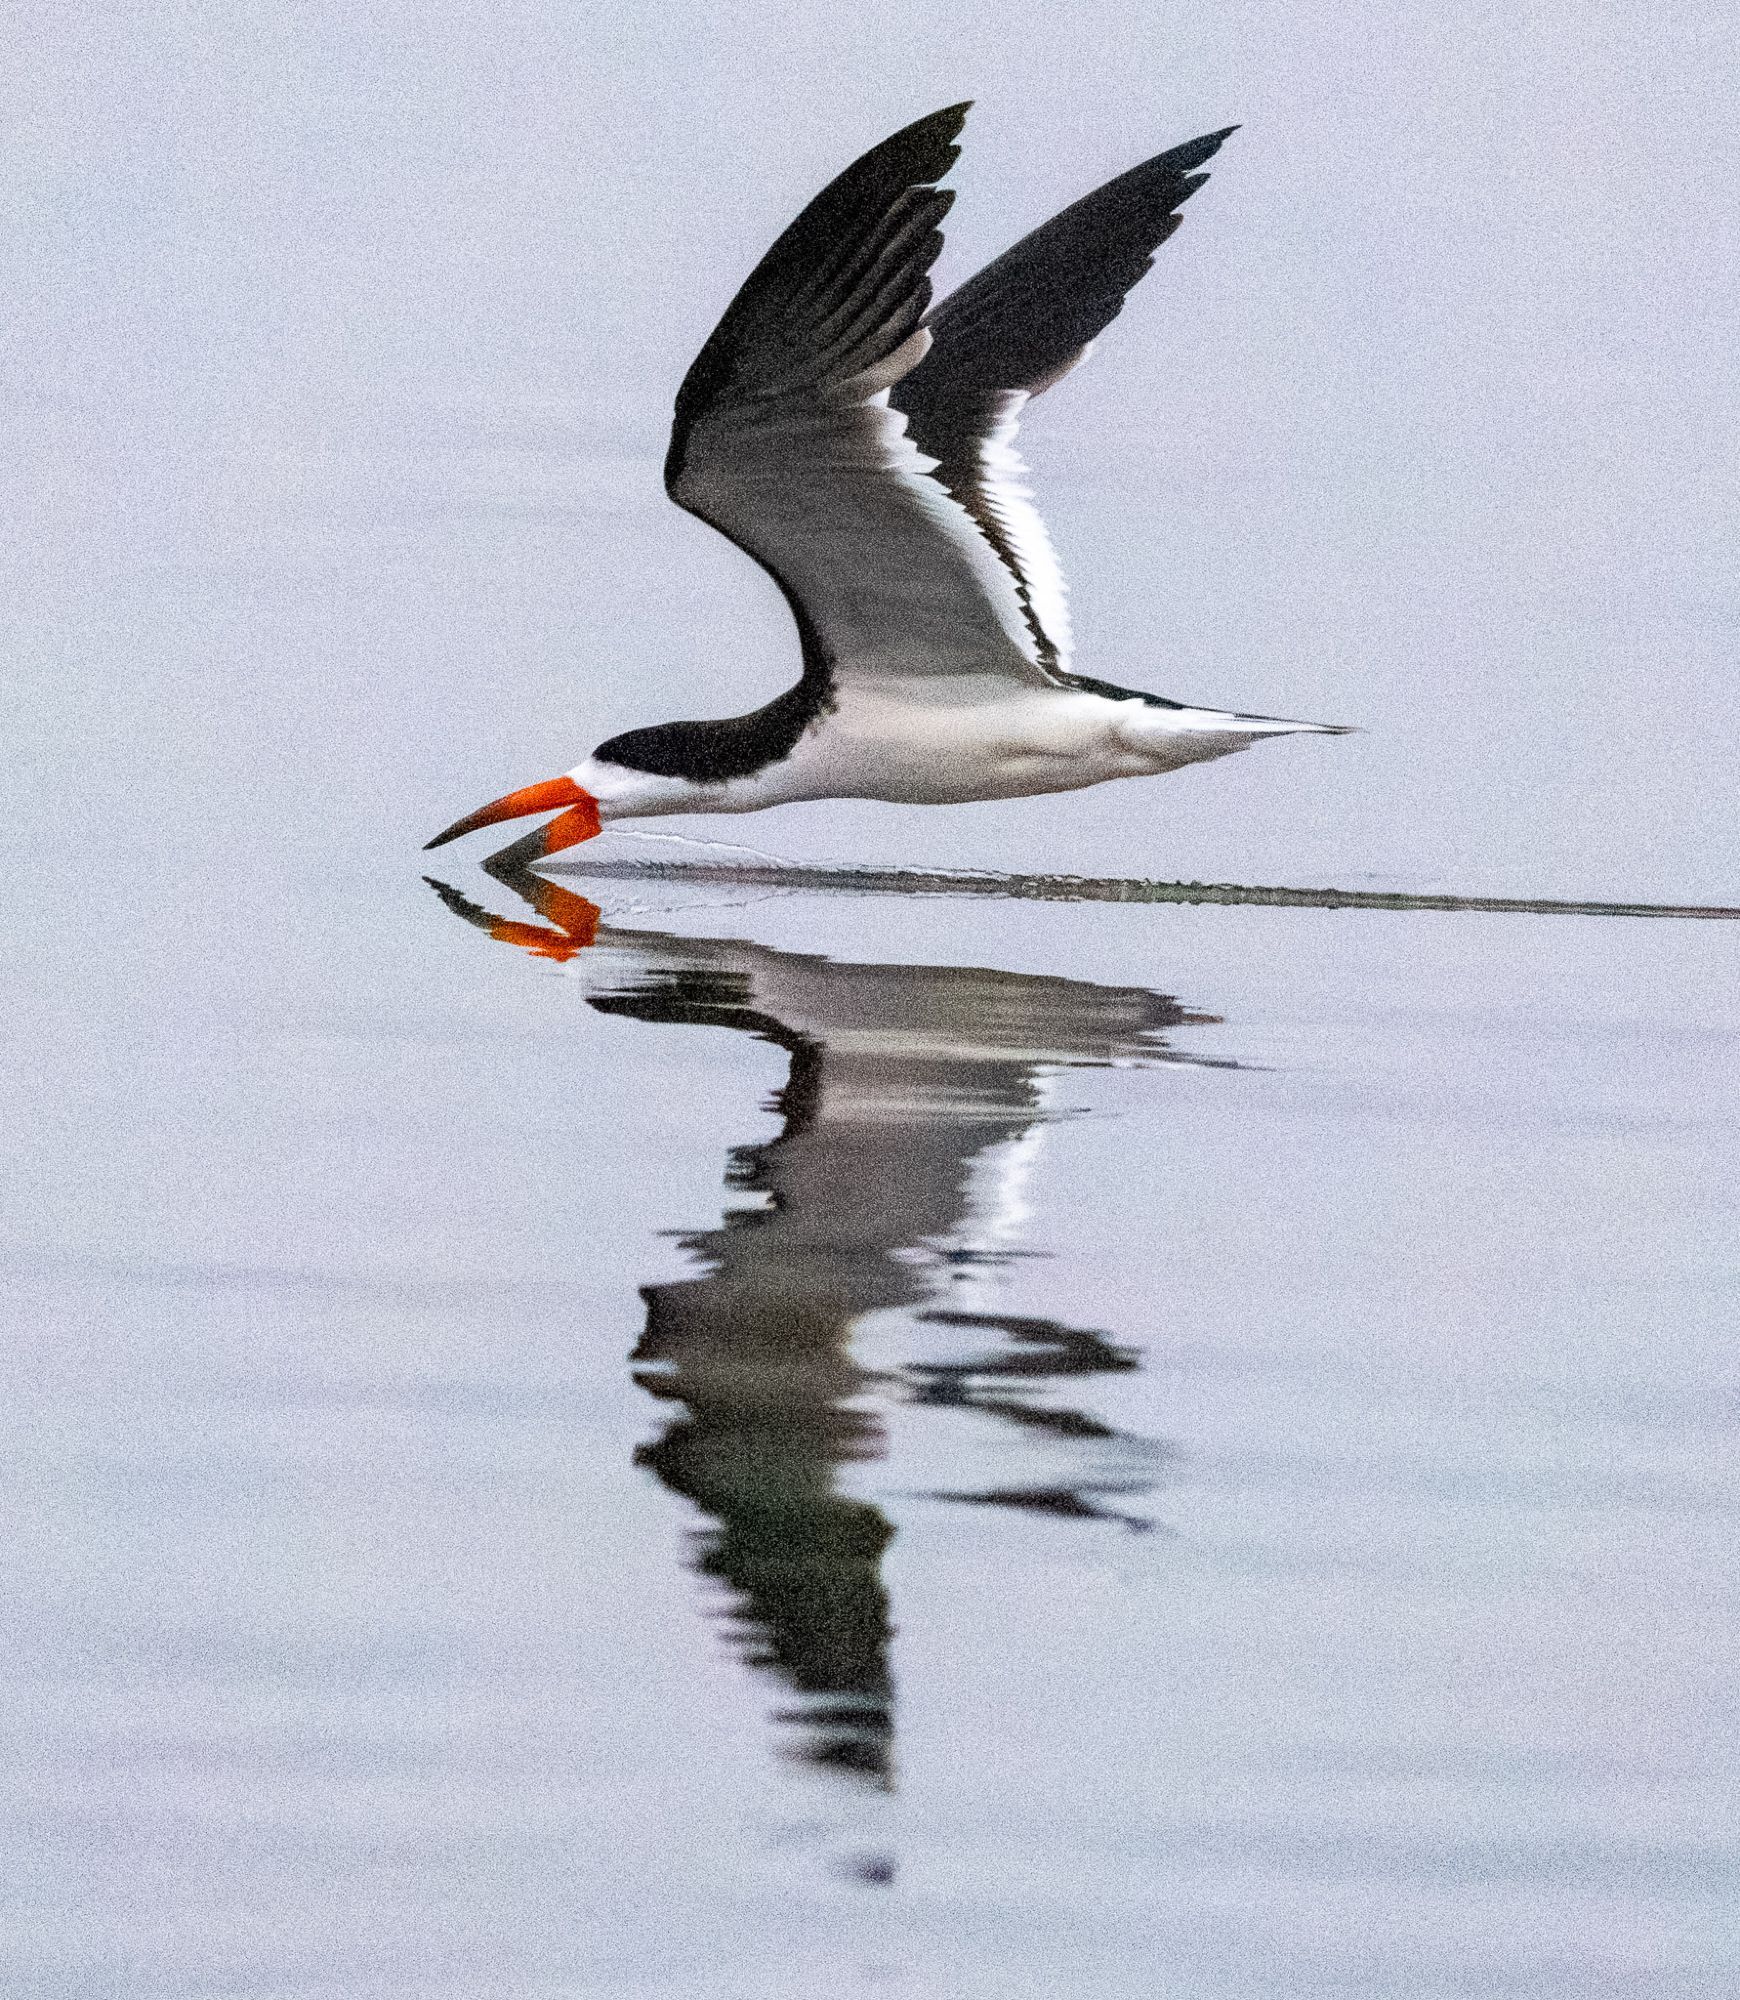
x=783, y=439
x=1010, y=332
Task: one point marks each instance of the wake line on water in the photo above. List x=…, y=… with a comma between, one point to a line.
x=1091, y=889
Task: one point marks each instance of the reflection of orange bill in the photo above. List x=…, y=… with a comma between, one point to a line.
x=575, y=918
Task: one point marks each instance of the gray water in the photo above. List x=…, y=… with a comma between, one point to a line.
x=678, y=1438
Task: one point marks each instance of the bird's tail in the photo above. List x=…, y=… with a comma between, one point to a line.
x=1276, y=725
x=1177, y=736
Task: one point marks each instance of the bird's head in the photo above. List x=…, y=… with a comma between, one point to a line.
x=577, y=818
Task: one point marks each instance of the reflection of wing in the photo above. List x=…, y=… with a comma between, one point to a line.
x=901, y=1079
x=904, y=1081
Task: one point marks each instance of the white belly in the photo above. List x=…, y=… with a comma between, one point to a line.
x=938, y=750
x=934, y=751
x=946, y=740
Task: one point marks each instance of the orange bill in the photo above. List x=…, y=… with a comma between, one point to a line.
x=579, y=823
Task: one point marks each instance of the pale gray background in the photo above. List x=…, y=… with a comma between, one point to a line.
x=349, y=1651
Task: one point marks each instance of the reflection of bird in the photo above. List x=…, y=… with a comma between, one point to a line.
x=860, y=449
x=912, y=1101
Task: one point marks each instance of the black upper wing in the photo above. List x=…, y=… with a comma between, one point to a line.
x=1010, y=332
x=782, y=441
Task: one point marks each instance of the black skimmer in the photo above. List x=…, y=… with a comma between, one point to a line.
x=859, y=446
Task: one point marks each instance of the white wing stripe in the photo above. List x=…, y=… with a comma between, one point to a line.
x=1009, y=500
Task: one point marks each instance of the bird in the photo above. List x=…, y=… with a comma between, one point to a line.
x=859, y=445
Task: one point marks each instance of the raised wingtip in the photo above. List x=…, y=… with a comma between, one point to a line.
x=917, y=154
x=1195, y=152
x=945, y=125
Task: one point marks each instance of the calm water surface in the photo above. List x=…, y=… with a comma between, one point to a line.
x=800, y=1447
